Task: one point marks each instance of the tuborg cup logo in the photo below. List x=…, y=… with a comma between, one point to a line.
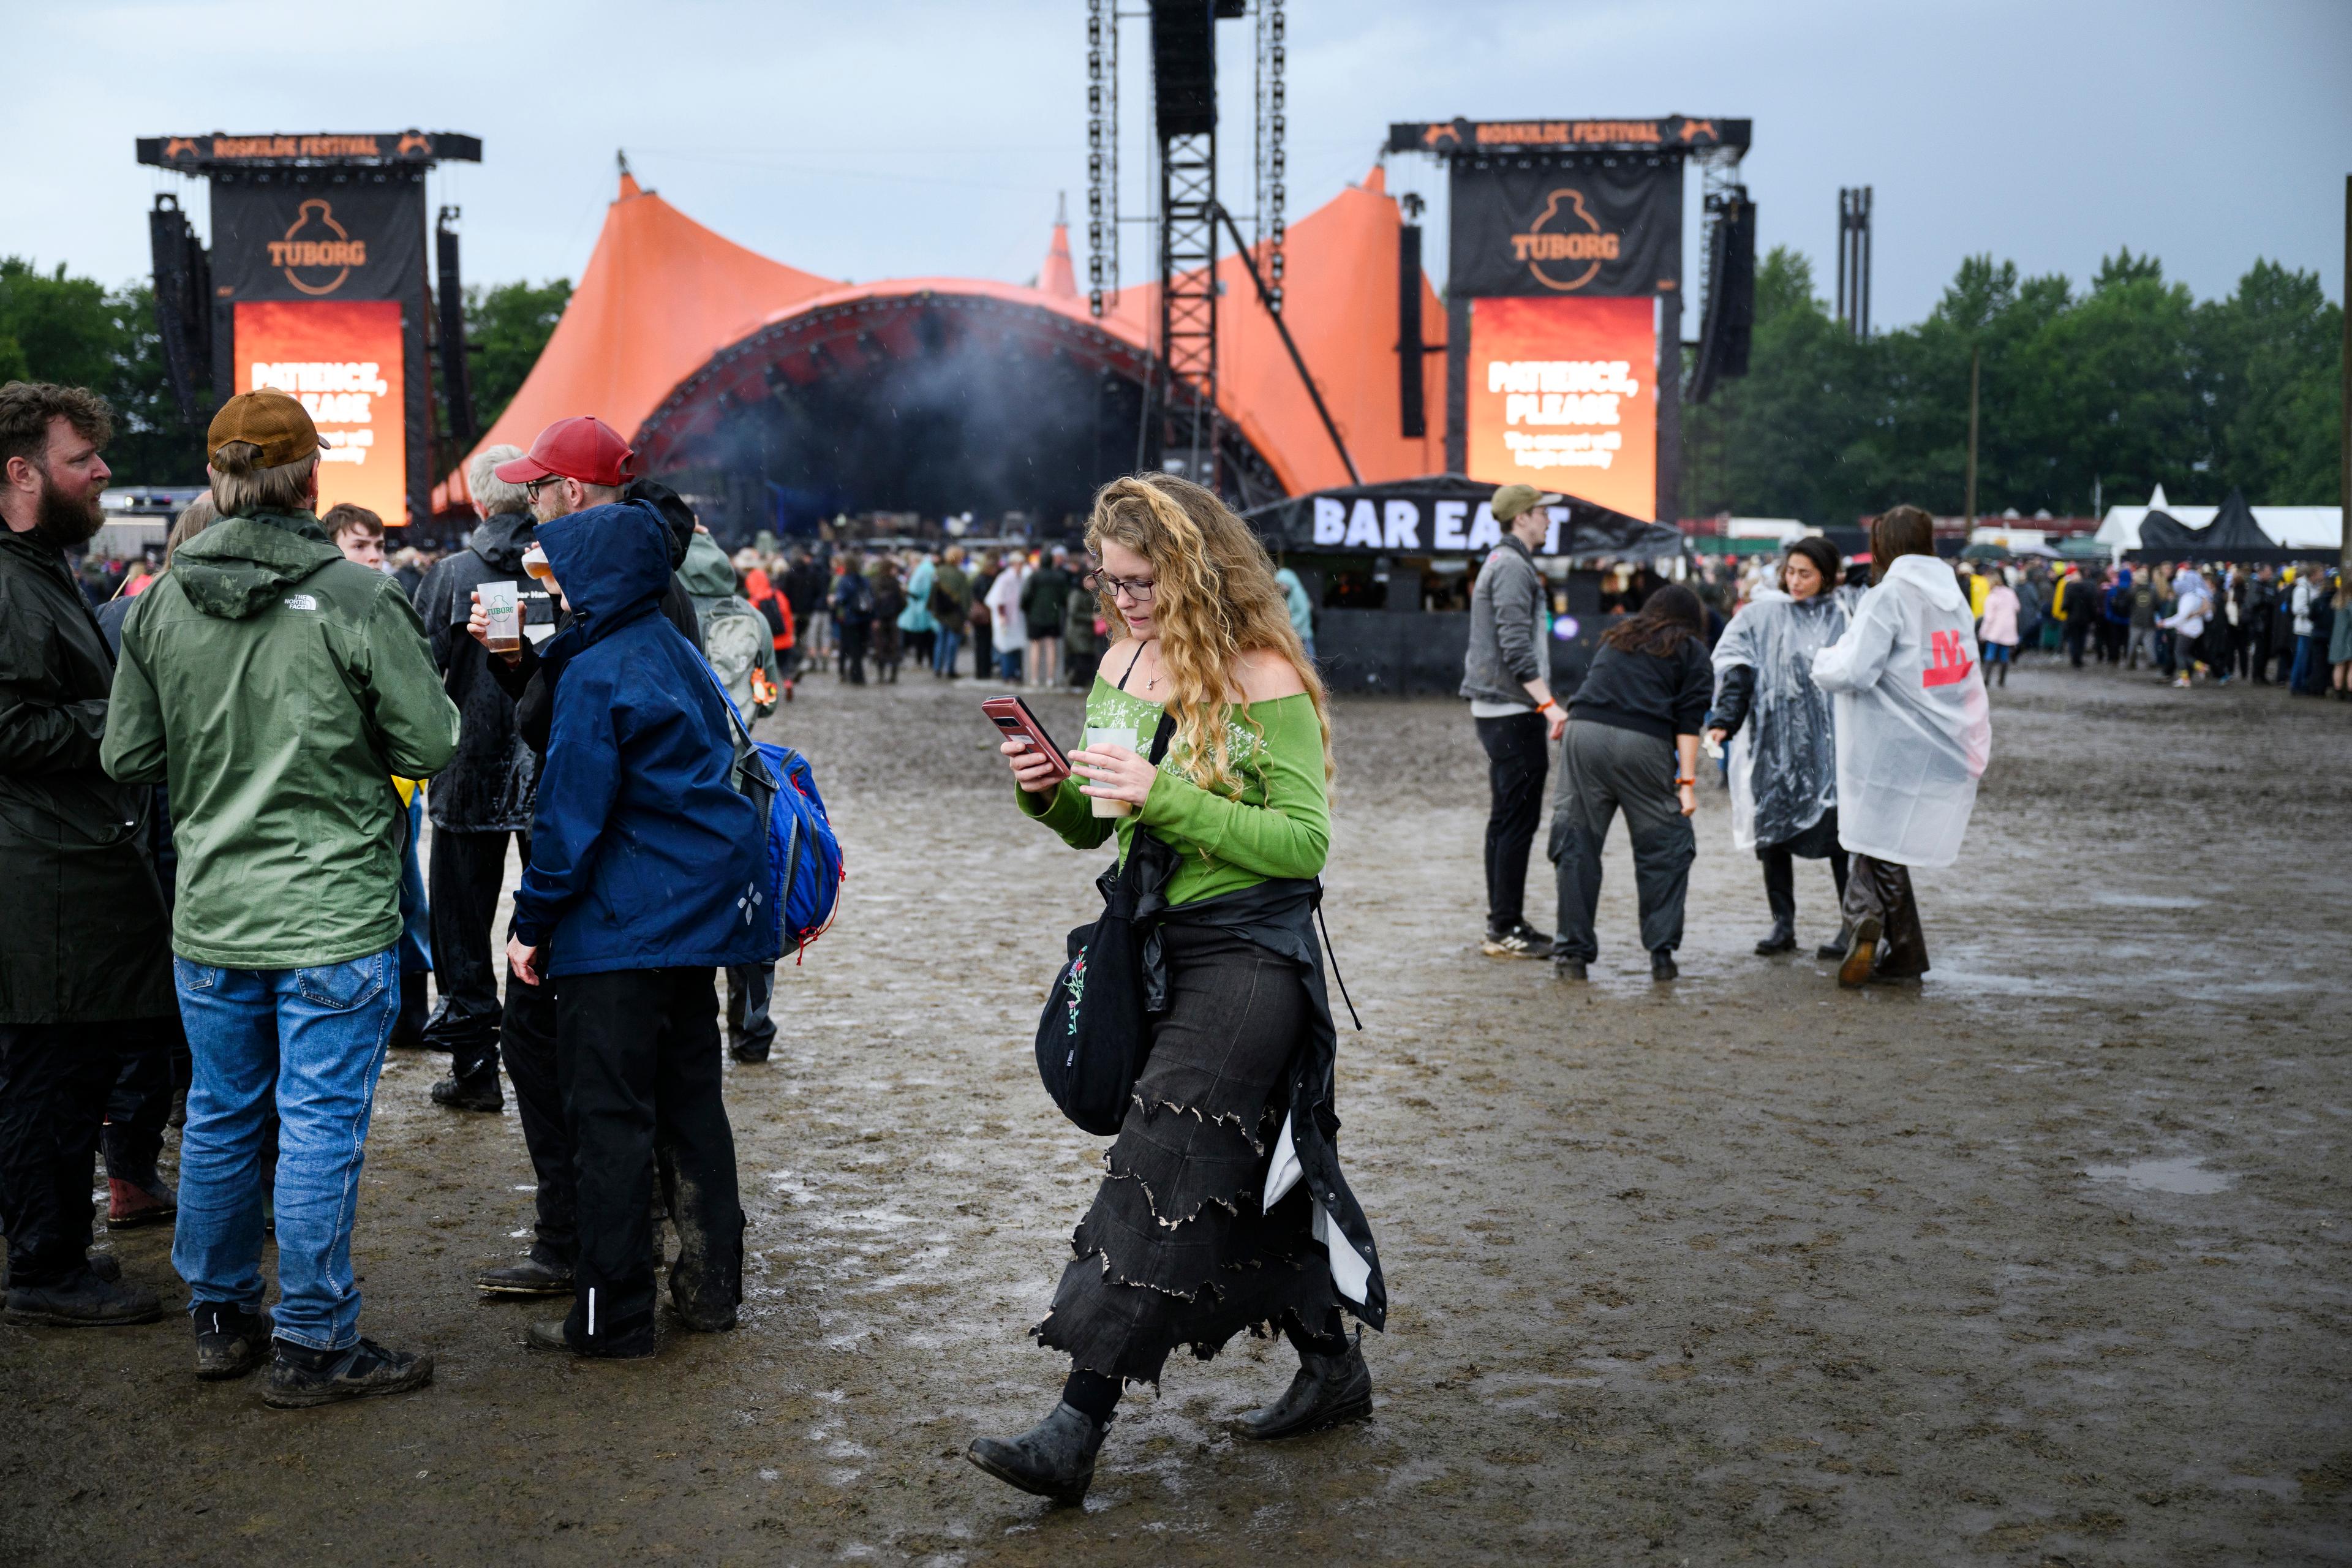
x=1564, y=249
x=317, y=254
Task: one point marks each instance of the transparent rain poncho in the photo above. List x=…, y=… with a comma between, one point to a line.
x=1914, y=728
x=1783, y=770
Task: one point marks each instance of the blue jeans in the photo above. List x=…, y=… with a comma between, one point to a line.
x=2309, y=666
x=312, y=1041
x=415, y=914
x=1008, y=664
x=943, y=652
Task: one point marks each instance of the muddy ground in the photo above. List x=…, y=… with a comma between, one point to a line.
x=2044, y=1261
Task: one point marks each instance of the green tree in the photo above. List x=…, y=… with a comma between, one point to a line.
x=2122, y=369
x=1920, y=450
x=55, y=327
x=1782, y=440
x=2113, y=390
x=507, y=325
x=2272, y=362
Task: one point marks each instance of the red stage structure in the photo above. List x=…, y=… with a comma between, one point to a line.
x=747, y=379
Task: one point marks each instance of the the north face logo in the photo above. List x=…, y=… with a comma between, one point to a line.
x=1950, y=665
x=300, y=602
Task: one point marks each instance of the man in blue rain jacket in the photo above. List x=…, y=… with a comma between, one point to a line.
x=648, y=872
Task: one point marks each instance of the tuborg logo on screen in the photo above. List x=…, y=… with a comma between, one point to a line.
x=1563, y=249
x=317, y=254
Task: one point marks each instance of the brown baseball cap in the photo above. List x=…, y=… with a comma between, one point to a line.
x=1512, y=500
x=272, y=421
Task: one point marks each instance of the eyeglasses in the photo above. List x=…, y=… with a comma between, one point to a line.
x=1139, y=591
x=531, y=487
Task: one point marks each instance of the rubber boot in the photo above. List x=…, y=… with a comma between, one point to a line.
x=1861, y=952
x=1326, y=1391
x=1054, y=1458
x=1780, y=895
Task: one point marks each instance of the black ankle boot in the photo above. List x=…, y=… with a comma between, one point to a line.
x=1054, y=1458
x=231, y=1341
x=480, y=1092
x=1326, y=1391
x=1780, y=897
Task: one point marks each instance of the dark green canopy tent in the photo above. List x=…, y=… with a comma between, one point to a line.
x=2233, y=535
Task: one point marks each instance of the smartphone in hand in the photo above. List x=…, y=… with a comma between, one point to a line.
x=1016, y=723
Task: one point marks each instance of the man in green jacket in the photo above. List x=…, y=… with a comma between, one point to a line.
x=84, y=972
x=278, y=688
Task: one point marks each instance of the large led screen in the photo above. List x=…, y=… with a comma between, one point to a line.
x=342, y=359
x=1563, y=395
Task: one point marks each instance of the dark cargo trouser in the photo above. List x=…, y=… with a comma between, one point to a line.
x=1518, y=755
x=527, y=1039
x=1604, y=769
x=468, y=872
x=639, y=1059
x=53, y=1084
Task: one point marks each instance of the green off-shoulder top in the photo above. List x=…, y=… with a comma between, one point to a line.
x=1281, y=825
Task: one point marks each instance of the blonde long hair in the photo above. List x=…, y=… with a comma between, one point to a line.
x=1214, y=599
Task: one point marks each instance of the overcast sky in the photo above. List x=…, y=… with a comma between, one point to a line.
x=897, y=138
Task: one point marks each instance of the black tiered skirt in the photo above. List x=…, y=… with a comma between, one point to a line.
x=1175, y=1250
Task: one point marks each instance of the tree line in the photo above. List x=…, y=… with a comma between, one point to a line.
x=2099, y=394
x=57, y=327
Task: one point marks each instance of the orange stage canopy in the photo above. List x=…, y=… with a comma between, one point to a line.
x=663, y=296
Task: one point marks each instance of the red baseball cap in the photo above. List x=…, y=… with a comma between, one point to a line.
x=583, y=448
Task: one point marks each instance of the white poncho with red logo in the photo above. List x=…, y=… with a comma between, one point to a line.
x=1914, y=729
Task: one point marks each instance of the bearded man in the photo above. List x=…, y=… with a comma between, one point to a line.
x=85, y=968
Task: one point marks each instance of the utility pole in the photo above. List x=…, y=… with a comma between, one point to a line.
x=1972, y=439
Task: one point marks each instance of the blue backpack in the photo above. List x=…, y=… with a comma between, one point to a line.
x=804, y=864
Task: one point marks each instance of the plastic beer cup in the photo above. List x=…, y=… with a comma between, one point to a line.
x=502, y=606
x=1109, y=737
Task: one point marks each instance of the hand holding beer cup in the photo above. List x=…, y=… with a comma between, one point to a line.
x=479, y=624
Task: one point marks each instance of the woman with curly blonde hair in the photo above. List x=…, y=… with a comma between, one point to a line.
x=1224, y=1207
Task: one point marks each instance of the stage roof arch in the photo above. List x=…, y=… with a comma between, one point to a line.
x=673, y=328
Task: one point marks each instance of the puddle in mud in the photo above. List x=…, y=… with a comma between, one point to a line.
x=2148, y=901
x=2181, y=1174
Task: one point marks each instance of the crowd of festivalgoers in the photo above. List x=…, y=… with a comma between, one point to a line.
x=1843, y=702
x=1012, y=614
x=2182, y=621
x=217, y=772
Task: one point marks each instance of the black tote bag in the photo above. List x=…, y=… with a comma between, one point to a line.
x=1094, y=1034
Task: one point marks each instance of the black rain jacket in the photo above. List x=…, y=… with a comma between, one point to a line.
x=83, y=935
x=490, y=785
